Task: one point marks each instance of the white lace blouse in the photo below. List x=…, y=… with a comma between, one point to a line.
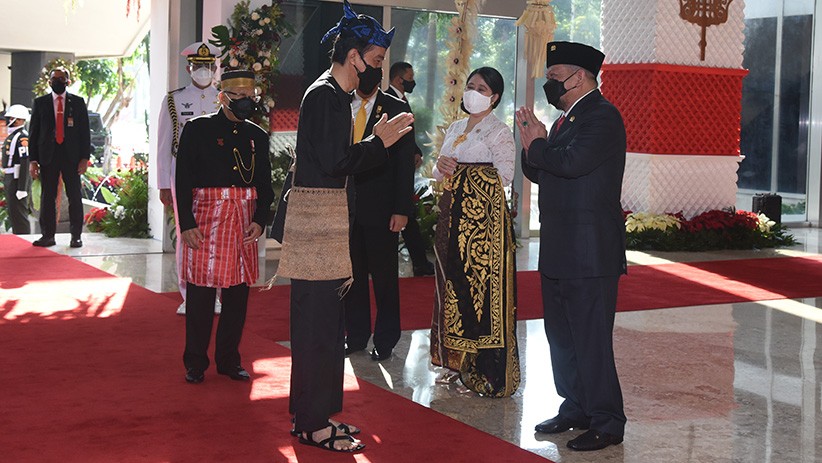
x=490, y=141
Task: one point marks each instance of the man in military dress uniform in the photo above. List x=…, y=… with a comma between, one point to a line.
x=15, y=153
x=223, y=192
x=179, y=106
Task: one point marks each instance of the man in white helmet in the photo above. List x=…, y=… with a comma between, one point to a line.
x=179, y=106
x=15, y=159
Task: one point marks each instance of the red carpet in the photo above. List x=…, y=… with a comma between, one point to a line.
x=645, y=287
x=92, y=372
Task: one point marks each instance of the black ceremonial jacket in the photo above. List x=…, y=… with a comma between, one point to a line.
x=205, y=158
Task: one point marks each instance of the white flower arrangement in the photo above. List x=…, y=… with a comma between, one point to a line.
x=641, y=221
x=249, y=41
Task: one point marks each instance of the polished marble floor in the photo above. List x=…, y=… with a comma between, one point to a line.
x=718, y=383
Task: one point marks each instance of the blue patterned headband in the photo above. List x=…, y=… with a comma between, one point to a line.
x=360, y=26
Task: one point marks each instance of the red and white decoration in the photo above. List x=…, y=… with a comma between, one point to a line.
x=682, y=115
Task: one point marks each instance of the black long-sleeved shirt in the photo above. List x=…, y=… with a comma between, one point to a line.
x=325, y=155
x=205, y=159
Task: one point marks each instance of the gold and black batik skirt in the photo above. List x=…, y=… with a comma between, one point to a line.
x=474, y=323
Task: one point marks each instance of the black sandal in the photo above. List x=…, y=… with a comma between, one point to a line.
x=328, y=444
x=346, y=428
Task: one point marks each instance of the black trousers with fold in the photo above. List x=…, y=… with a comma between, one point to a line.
x=18, y=208
x=199, y=322
x=373, y=252
x=317, y=353
x=414, y=242
x=50, y=177
x=579, y=322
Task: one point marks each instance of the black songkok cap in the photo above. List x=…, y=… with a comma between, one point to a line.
x=237, y=79
x=577, y=54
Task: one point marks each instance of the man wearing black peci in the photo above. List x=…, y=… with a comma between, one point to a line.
x=383, y=206
x=579, y=167
x=223, y=190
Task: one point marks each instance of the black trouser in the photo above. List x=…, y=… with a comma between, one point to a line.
x=579, y=322
x=317, y=353
x=18, y=208
x=200, y=319
x=412, y=236
x=374, y=252
x=49, y=177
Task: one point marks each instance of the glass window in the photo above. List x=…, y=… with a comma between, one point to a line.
x=424, y=46
x=775, y=124
x=577, y=21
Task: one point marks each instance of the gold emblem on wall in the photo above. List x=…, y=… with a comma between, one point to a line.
x=704, y=13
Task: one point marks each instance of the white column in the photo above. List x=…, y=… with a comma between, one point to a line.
x=159, y=82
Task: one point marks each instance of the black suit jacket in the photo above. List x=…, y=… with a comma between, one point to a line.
x=77, y=138
x=393, y=93
x=579, y=171
x=387, y=189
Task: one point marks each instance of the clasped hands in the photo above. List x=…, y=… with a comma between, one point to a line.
x=193, y=236
x=391, y=130
x=34, y=168
x=530, y=128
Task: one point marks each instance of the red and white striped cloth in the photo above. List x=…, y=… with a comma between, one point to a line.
x=222, y=215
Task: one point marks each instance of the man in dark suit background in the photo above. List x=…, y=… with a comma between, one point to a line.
x=382, y=207
x=579, y=168
x=401, y=81
x=59, y=144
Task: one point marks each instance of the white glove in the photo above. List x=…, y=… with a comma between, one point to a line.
x=21, y=194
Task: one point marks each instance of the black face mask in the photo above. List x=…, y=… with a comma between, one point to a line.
x=408, y=86
x=554, y=90
x=57, y=87
x=369, y=79
x=242, y=108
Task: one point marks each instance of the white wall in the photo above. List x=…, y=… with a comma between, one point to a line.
x=5, y=78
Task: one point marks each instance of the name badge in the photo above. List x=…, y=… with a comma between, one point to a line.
x=70, y=121
x=187, y=113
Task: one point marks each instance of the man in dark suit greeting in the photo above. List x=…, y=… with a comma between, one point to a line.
x=579, y=168
x=59, y=144
x=382, y=207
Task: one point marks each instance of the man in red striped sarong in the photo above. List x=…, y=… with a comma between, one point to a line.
x=223, y=184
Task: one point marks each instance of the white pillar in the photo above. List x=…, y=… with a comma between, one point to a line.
x=159, y=82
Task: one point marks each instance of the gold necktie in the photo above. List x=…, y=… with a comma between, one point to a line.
x=359, y=122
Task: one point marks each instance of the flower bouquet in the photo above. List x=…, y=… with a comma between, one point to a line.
x=251, y=41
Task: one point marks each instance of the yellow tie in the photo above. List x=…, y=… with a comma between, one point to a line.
x=359, y=122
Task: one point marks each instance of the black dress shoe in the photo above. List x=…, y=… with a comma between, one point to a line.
x=76, y=243
x=237, y=373
x=425, y=270
x=379, y=355
x=194, y=376
x=44, y=242
x=559, y=424
x=593, y=440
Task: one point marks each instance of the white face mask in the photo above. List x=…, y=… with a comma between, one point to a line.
x=475, y=102
x=202, y=76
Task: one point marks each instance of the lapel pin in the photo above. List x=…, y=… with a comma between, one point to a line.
x=220, y=142
x=572, y=118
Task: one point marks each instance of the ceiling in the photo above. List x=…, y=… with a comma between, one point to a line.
x=90, y=29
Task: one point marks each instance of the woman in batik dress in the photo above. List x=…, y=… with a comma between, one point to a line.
x=473, y=330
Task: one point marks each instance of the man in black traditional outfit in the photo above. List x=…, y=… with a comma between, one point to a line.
x=223, y=187
x=325, y=158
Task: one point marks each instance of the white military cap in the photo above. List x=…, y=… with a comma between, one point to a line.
x=201, y=52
